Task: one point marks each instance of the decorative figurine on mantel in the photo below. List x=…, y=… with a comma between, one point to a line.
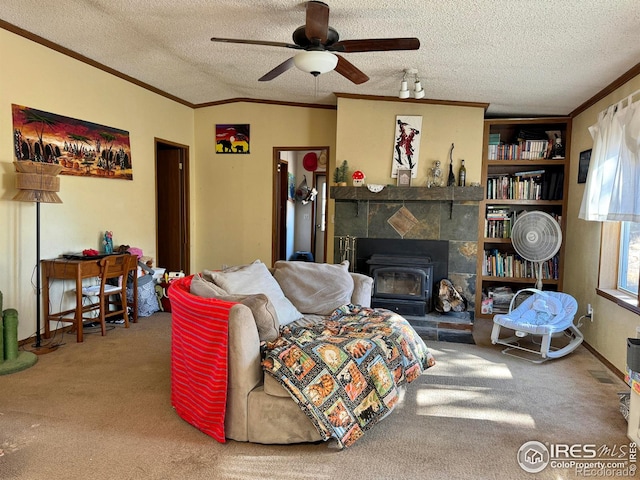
x=340, y=174
x=108, y=242
x=451, y=181
x=358, y=178
x=435, y=178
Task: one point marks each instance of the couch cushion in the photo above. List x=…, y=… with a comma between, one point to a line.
x=263, y=311
x=273, y=388
x=317, y=288
x=256, y=278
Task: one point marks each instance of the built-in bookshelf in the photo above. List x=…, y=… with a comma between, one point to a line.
x=525, y=167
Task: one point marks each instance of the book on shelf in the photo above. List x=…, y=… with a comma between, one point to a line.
x=523, y=150
x=511, y=187
x=526, y=185
x=529, y=173
x=497, y=223
x=497, y=228
x=497, y=263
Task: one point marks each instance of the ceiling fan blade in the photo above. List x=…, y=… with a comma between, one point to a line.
x=317, y=25
x=256, y=42
x=375, y=45
x=280, y=69
x=350, y=71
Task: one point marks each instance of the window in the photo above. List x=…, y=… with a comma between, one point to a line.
x=619, y=273
x=629, y=258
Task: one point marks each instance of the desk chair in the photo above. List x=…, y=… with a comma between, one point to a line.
x=115, y=268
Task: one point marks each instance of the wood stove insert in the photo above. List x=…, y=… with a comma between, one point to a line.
x=402, y=283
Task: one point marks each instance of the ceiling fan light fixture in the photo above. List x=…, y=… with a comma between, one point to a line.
x=315, y=62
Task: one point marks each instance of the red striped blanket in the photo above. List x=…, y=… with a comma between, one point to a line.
x=199, y=379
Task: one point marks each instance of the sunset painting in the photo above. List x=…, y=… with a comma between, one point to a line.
x=81, y=148
x=232, y=138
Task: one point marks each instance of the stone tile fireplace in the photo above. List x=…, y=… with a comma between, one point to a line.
x=414, y=221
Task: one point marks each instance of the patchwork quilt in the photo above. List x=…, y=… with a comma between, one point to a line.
x=344, y=373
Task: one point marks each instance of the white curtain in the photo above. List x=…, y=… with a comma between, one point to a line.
x=612, y=191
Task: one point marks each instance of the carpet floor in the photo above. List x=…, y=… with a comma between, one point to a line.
x=101, y=410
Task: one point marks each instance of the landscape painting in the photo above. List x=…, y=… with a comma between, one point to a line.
x=81, y=148
x=232, y=138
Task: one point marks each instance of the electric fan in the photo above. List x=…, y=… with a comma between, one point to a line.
x=536, y=237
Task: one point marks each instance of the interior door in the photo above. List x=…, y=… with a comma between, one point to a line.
x=318, y=235
x=172, y=206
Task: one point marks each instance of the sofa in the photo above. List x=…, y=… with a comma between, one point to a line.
x=220, y=320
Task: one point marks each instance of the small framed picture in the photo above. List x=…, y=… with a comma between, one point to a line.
x=583, y=166
x=404, y=177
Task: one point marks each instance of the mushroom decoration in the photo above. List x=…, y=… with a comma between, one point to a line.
x=358, y=178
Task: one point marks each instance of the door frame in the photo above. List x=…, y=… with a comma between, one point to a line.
x=276, y=228
x=314, y=222
x=280, y=211
x=185, y=209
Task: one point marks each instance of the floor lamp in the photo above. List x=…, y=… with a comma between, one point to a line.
x=38, y=182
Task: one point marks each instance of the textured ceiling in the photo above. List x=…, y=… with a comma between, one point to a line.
x=523, y=57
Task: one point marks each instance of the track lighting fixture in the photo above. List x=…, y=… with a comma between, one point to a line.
x=418, y=91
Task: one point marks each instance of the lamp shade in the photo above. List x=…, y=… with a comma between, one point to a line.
x=37, y=182
x=315, y=62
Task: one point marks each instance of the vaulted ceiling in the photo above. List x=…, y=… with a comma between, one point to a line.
x=523, y=57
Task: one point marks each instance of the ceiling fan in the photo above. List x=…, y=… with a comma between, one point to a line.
x=318, y=40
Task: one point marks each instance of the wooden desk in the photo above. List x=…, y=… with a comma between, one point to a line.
x=63, y=269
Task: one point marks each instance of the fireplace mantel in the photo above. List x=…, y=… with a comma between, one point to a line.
x=392, y=193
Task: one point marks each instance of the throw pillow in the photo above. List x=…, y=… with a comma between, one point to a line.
x=263, y=312
x=256, y=278
x=317, y=288
x=206, y=289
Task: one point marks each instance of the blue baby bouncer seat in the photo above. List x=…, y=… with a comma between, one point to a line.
x=541, y=317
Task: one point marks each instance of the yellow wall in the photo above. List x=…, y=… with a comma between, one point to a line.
x=37, y=77
x=611, y=325
x=366, y=135
x=233, y=208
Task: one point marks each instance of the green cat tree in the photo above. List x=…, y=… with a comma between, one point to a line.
x=12, y=359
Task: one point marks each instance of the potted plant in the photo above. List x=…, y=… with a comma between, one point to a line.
x=340, y=174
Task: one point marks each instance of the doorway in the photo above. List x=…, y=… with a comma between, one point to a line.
x=172, y=206
x=298, y=227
